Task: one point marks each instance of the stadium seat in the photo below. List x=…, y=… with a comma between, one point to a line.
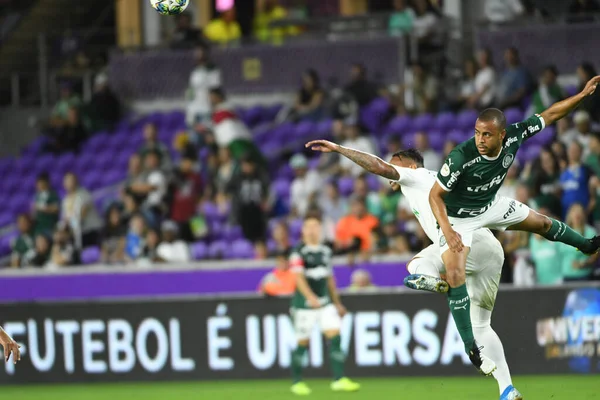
x=281, y=187
x=90, y=255
x=399, y=125
x=218, y=249
x=303, y=130
x=241, y=249
x=423, y=122
x=346, y=185
x=199, y=250
x=466, y=120
x=232, y=232
x=513, y=115
x=436, y=140
x=324, y=128
x=444, y=121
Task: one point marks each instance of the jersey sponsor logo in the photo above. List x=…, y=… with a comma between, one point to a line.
x=453, y=179
x=320, y=272
x=533, y=129
x=473, y=212
x=445, y=170
x=473, y=161
x=482, y=188
x=508, y=159
x=510, y=141
x=511, y=208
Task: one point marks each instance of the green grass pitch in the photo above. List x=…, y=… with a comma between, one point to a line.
x=475, y=388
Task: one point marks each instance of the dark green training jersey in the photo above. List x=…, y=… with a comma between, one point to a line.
x=472, y=179
x=315, y=263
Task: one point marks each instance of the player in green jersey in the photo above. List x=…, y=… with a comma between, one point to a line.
x=10, y=346
x=316, y=302
x=464, y=199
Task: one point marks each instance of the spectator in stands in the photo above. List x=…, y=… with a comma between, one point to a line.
x=576, y=266
x=154, y=188
x=420, y=91
x=431, y=158
x=360, y=281
x=548, y=92
x=305, y=184
x=134, y=241
x=583, y=10
x=79, y=211
x=271, y=11
x=332, y=203
x=559, y=149
x=485, y=81
x=152, y=144
x=503, y=11
x=23, y=247
x=591, y=103
x=515, y=82
x=543, y=178
x=149, y=253
x=371, y=198
x=580, y=133
x=363, y=90
x=249, y=192
x=509, y=187
x=574, y=180
x=354, y=140
x=546, y=259
x=172, y=249
x=42, y=251
x=449, y=145
x=354, y=232
x=467, y=86
x=68, y=100
x=132, y=205
x=113, y=237
x=224, y=30
x=280, y=281
x=427, y=26
x=135, y=174
x=104, y=110
x=281, y=237
x=46, y=207
x=402, y=19
x=204, y=77
x=64, y=252
x=310, y=98
x=385, y=236
x=225, y=169
x=187, y=186
x=186, y=35
x=593, y=163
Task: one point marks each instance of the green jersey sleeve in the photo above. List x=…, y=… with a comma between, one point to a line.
x=450, y=172
x=526, y=129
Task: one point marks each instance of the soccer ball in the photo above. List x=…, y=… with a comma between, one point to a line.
x=170, y=7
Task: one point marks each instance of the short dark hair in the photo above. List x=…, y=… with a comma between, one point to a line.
x=313, y=214
x=552, y=68
x=43, y=177
x=411, y=154
x=493, y=115
x=218, y=91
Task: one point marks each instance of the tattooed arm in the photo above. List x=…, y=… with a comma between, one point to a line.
x=368, y=161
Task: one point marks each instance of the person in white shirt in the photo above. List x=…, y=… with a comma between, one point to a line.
x=485, y=89
x=580, y=133
x=204, y=77
x=431, y=158
x=355, y=141
x=154, y=187
x=503, y=11
x=306, y=184
x=171, y=249
x=79, y=211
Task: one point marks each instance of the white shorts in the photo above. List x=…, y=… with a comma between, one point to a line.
x=305, y=320
x=484, y=266
x=503, y=213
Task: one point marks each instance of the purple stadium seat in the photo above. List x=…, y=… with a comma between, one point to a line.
x=216, y=228
x=6, y=219
x=346, y=185
x=270, y=112
x=436, y=140
x=324, y=128
x=199, y=250
x=445, y=121
x=254, y=115
x=65, y=161
x=285, y=172
x=313, y=163
x=374, y=182
x=399, y=125
x=513, y=115
x=262, y=131
x=241, y=248
x=295, y=226
x=232, y=232
x=218, y=249
x=271, y=246
x=456, y=136
x=6, y=242
x=373, y=114
x=90, y=255
x=423, y=122
x=210, y=211
x=466, y=120
x=304, y=130
x=571, y=90
x=282, y=188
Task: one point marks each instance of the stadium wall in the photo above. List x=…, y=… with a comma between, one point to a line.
x=544, y=330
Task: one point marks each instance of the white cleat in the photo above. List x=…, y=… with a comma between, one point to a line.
x=484, y=364
x=511, y=394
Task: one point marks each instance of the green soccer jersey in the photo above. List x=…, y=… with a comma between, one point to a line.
x=473, y=180
x=315, y=263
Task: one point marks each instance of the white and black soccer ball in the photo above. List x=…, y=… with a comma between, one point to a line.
x=170, y=7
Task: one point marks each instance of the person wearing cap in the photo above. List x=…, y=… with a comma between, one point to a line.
x=305, y=184
x=172, y=249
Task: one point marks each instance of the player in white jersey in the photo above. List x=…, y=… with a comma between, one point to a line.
x=484, y=263
x=10, y=346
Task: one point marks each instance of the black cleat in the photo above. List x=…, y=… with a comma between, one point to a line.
x=594, y=245
x=480, y=361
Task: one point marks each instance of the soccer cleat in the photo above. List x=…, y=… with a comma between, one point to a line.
x=300, y=389
x=344, y=385
x=480, y=361
x=511, y=394
x=426, y=282
x=595, y=244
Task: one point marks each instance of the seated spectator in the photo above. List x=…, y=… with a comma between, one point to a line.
x=68, y=100
x=548, y=92
x=546, y=260
x=204, y=77
x=23, y=247
x=559, y=150
x=186, y=35
x=591, y=104
x=79, y=211
x=154, y=188
x=134, y=241
x=576, y=266
x=310, y=98
x=132, y=205
x=64, y=252
x=187, y=187
x=46, y=207
x=152, y=144
x=360, y=88
x=272, y=11
x=42, y=251
x=360, y=281
x=515, y=81
x=420, y=91
x=280, y=281
x=68, y=135
x=580, y=133
x=427, y=26
x=224, y=29
x=574, y=180
x=225, y=170
x=113, y=237
x=543, y=178
x=431, y=159
x=385, y=236
x=354, y=232
x=354, y=140
x=305, y=184
x=332, y=203
x=503, y=11
x=467, y=86
x=150, y=254
x=485, y=81
x=402, y=19
x=172, y=249
x=104, y=110
x=583, y=10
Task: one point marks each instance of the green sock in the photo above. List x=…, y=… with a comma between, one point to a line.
x=460, y=307
x=297, y=359
x=336, y=357
x=560, y=232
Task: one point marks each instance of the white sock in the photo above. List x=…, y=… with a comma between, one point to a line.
x=492, y=346
x=423, y=266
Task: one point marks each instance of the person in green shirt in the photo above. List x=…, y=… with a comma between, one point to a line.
x=401, y=21
x=47, y=206
x=549, y=91
x=23, y=248
x=546, y=259
x=576, y=266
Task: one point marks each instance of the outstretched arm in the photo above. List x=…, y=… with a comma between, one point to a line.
x=558, y=110
x=368, y=161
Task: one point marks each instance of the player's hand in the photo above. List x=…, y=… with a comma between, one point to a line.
x=10, y=347
x=341, y=309
x=590, y=87
x=313, y=302
x=454, y=241
x=324, y=146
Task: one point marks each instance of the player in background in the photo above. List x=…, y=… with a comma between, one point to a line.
x=10, y=346
x=464, y=199
x=316, y=302
x=484, y=263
